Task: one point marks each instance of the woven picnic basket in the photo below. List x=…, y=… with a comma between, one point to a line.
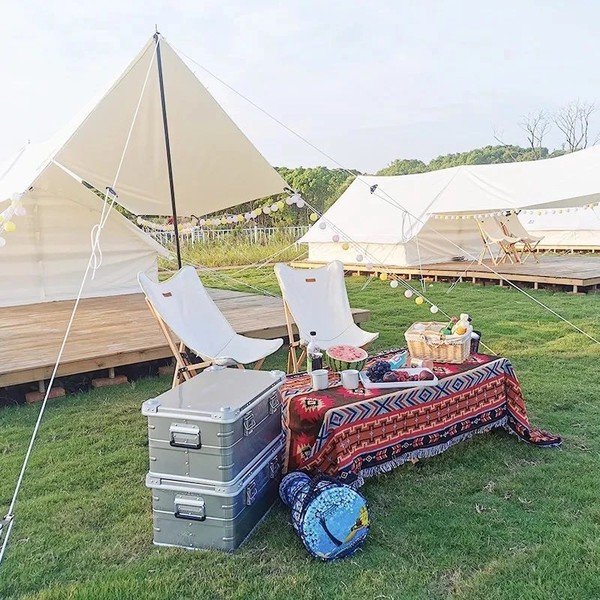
x=425, y=340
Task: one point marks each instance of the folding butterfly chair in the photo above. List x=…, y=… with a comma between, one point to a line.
x=492, y=233
x=316, y=300
x=195, y=327
x=512, y=225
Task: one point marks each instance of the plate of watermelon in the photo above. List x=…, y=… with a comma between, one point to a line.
x=381, y=375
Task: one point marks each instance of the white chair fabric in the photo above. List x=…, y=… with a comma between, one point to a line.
x=318, y=301
x=185, y=306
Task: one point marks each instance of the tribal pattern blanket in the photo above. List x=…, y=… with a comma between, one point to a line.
x=355, y=434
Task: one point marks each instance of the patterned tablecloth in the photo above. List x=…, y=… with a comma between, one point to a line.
x=356, y=434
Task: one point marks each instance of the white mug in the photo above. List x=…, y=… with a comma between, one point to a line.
x=350, y=379
x=320, y=379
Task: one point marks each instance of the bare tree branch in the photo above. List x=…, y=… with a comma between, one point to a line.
x=536, y=126
x=574, y=122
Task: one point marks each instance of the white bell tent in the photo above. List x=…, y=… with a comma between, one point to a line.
x=573, y=230
x=123, y=136
x=45, y=257
x=426, y=218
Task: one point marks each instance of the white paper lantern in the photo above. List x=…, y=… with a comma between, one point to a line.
x=369, y=266
x=2, y=242
x=290, y=200
x=266, y=210
x=274, y=208
x=434, y=309
x=408, y=294
x=393, y=283
x=359, y=258
x=300, y=203
x=322, y=225
x=335, y=237
x=202, y=222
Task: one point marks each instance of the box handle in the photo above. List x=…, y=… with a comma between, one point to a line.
x=185, y=436
x=274, y=468
x=251, y=492
x=191, y=508
x=274, y=403
x=249, y=423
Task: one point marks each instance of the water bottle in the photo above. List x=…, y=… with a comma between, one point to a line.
x=314, y=359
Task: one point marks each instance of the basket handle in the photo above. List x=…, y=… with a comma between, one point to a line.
x=434, y=338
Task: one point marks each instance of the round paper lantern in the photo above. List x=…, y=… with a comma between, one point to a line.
x=2, y=242
x=345, y=246
x=290, y=200
x=359, y=258
x=313, y=217
x=419, y=300
x=408, y=294
x=369, y=266
x=240, y=218
x=300, y=203
x=393, y=283
x=322, y=225
x=434, y=309
x=383, y=277
x=9, y=226
x=139, y=220
x=258, y=211
x=335, y=237
x=281, y=205
x=202, y=222
x=266, y=210
x=274, y=208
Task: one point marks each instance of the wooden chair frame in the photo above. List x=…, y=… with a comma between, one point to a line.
x=507, y=249
x=185, y=368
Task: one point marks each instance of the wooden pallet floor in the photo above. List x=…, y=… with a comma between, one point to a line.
x=114, y=331
x=574, y=272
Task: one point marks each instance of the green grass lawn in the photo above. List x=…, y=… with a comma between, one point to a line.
x=491, y=518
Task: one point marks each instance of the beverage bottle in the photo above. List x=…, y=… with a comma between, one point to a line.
x=314, y=358
x=462, y=326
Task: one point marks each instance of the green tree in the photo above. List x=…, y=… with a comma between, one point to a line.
x=406, y=166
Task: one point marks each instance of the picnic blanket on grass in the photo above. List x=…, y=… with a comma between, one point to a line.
x=355, y=434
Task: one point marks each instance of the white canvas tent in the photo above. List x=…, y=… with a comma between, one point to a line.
x=396, y=225
x=214, y=166
x=579, y=230
x=45, y=258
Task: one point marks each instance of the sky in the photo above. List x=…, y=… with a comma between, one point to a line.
x=364, y=82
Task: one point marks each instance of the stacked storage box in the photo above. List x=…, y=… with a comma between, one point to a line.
x=215, y=457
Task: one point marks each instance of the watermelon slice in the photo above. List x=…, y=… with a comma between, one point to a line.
x=340, y=358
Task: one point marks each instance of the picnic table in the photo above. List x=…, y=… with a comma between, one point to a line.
x=353, y=434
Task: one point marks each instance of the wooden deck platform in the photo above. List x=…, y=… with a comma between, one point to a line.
x=114, y=331
x=575, y=273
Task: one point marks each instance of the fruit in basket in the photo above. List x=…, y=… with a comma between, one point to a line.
x=340, y=358
x=426, y=375
x=460, y=330
x=376, y=371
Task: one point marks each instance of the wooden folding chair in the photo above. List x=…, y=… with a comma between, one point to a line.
x=193, y=325
x=317, y=300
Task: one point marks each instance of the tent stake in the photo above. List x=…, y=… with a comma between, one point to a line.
x=167, y=146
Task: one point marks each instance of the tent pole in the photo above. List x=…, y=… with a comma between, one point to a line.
x=167, y=146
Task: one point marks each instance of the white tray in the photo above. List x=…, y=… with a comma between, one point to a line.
x=367, y=383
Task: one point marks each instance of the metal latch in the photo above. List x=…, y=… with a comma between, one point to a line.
x=185, y=436
x=190, y=507
x=251, y=492
x=274, y=468
x=249, y=423
x=274, y=403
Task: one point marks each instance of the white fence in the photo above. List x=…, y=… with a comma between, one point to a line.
x=254, y=235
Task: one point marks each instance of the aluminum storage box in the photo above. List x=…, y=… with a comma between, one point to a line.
x=206, y=514
x=213, y=425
